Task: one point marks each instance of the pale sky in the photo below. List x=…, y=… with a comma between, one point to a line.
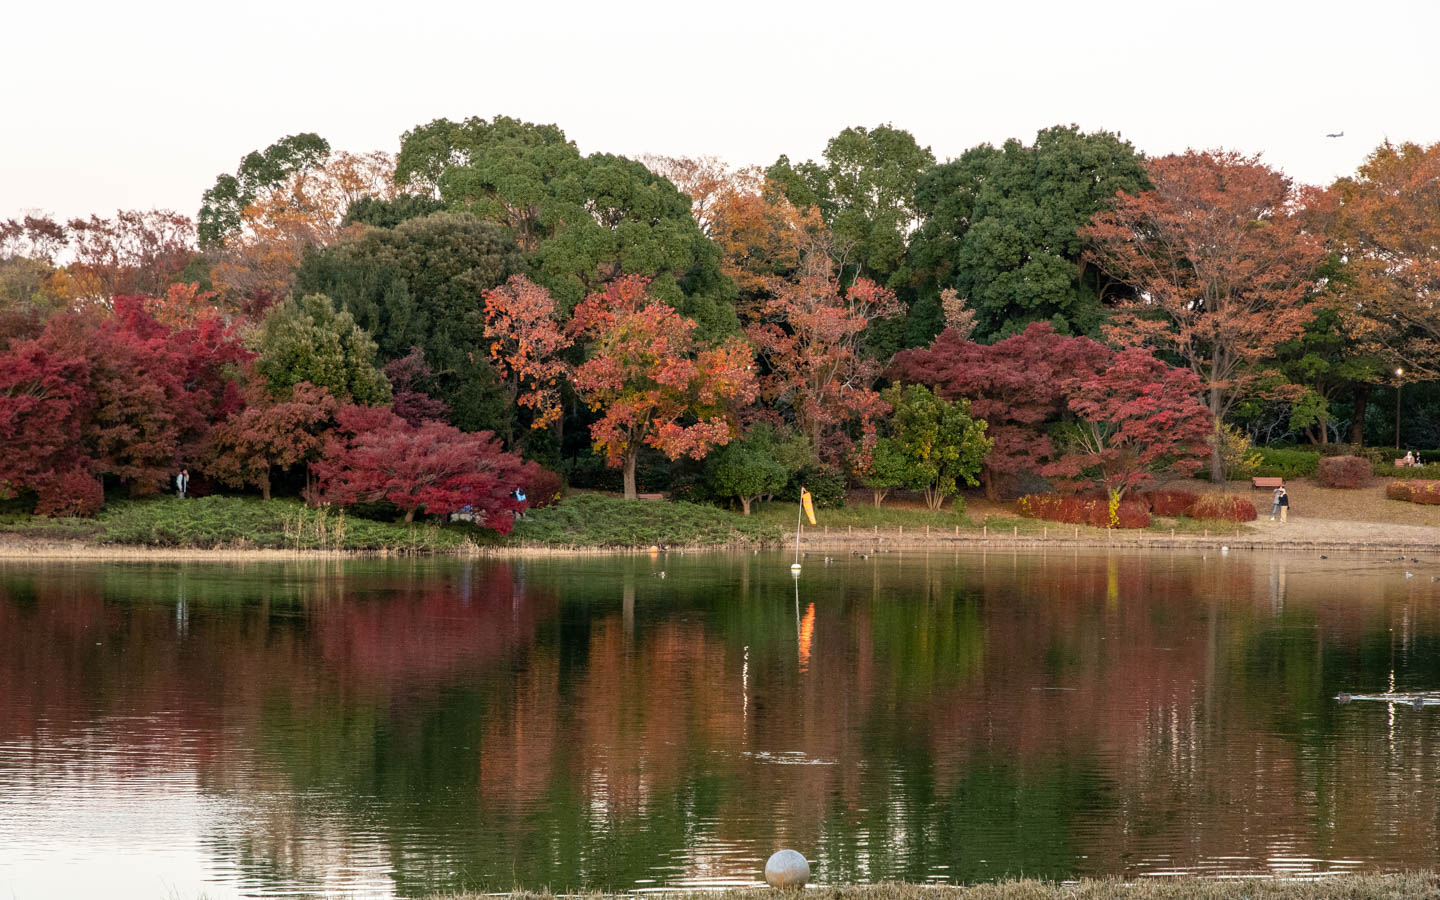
x=141, y=104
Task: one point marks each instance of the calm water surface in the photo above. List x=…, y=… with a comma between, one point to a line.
x=393, y=728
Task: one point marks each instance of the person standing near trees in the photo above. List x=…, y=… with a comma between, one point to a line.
x=182, y=483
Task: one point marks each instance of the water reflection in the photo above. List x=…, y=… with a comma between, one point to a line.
x=411, y=726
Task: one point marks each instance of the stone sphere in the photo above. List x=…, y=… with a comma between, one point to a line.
x=786, y=869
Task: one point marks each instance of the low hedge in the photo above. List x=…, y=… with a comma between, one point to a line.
x=1229, y=507
x=1343, y=471
x=1284, y=462
x=1426, y=492
x=1388, y=469
x=1073, y=510
x=1171, y=503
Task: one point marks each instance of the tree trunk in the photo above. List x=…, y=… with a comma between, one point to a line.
x=1217, y=461
x=745, y=504
x=630, y=475
x=1357, y=415
x=410, y=514
x=879, y=497
x=987, y=475
x=265, y=485
x=1324, y=430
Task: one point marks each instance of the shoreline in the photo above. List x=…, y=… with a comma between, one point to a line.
x=855, y=542
x=1317, y=886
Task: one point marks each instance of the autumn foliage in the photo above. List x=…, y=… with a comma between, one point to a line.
x=809, y=334
x=1074, y=510
x=432, y=467
x=651, y=382
x=526, y=344
x=1423, y=492
x=1343, y=471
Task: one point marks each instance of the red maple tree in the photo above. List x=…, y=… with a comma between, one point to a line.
x=1016, y=385
x=809, y=333
x=44, y=403
x=268, y=434
x=407, y=376
x=653, y=384
x=1136, y=418
x=432, y=467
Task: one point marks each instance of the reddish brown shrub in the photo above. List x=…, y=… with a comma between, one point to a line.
x=1170, y=503
x=1343, y=471
x=1228, y=507
x=542, y=487
x=72, y=493
x=1073, y=510
x=1133, y=514
x=1424, y=492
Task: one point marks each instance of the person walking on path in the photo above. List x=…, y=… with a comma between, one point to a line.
x=1275, y=505
x=1283, y=501
x=182, y=483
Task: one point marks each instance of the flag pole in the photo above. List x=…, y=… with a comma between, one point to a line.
x=799, y=511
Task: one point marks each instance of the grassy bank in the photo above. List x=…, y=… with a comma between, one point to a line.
x=1338, y=887
x=235, y=523
x=595, y=520
x=244, y=523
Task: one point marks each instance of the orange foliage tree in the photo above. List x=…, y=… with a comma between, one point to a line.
x=526, y=344
x=651, y=382
x=1387, y=227
x=1221, y=266
x=809, y=334
x=256, y=266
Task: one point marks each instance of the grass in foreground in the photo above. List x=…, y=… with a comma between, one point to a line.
x=595, y=520
x=1337, y=887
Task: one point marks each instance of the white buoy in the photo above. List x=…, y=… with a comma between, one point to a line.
x=786, y=869
x=794, y=567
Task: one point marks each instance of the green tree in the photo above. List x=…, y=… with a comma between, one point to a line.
x=420, y=284
x=383, y=213
x=748, y=468
x=937, y=440
x=865, y=191
x=886, y=468
x=1001, y=228
x=580, y=221
x=223, y=205
x=308, y=340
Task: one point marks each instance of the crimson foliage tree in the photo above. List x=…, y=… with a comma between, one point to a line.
x=1017, y=386
x=44, y=403
x=128, y=395
x=1123, y=417
x=409, y=378
x=1135, y=419
x=268, y=434
x=432, y=467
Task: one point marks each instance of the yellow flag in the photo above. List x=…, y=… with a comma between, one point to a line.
x=807, y=505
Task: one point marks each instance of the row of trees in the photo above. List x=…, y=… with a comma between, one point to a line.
x=1066, y=310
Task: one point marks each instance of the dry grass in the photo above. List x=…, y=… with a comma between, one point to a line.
x=1337, y=887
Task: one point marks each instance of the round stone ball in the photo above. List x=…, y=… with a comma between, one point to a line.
x=786, y=869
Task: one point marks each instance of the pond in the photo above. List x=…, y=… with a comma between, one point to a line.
x=402, y=727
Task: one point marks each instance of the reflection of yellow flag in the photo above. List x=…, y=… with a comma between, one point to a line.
x=808, y=507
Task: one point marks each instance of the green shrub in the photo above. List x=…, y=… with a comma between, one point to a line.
x=1388, y=469
x=1283, y=462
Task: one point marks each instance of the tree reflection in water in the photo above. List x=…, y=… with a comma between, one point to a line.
x=580, y=723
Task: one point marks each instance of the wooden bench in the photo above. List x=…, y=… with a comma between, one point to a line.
x=1258, y=482
x=649, y=496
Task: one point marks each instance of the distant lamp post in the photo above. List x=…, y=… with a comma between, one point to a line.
x=1399, y=373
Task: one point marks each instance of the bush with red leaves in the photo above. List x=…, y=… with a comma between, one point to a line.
x=1343, y=471
x=542, y=486
x=72, y=493
x=1171, y=503
x=1073, y=510
x=1423, y=492
x=1228, y=507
